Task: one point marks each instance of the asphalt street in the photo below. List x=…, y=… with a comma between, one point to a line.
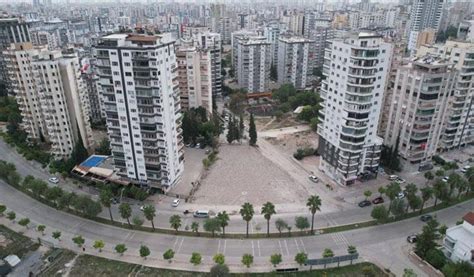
x=386, y=244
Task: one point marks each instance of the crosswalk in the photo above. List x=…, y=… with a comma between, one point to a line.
x=340, y=239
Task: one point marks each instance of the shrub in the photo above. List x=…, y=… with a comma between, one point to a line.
x=438, y=160
x=304, y=152
x=436, y=258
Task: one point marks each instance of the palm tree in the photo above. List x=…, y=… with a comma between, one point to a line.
x=314, y=205
x=426, y=194
x=223, y=219
x=428, y=176
x=247, y=213
x=439, y=190
x=381, y=190
x=461, y=186
x=392, y=190
x=367, y=194
x=150, y=213
x=175, y=222
x=195, y=227
x=268, y=209
x=469, y=174
x=105, y=198
x=126, y=212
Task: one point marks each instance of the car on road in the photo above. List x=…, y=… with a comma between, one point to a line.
x=412, y=238
x=142, y=208
x=426, y=217
x=201, y=214
x=364, y=203
x=313, y=178
x=465, y=168
x=53, y=180
x=400, y=181
x=445, y=179
x=175, y=203
x=401, y=195
x=198, y=145
x=378, y=200
x=393, y=177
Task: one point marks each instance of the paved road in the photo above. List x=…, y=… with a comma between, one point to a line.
x=384, y=244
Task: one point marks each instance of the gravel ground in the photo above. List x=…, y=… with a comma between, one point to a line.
x=242, y=174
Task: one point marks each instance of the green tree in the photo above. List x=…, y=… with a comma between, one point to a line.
x=442, y=229
x=212, y=225
x=175, y=222
x=150, y=213
x=426, y=194
x=219, y=258
x=428, y=176
x=328, y=253
x=414, y=202
x=196, y=258
x=276, y=259
x=381, y=190
x=301, y=258
x=435, y=257
x=351, y=250
x=230, y=130
x=11, y=215
x=247, y=260
x=126, y=212
x=57, y=235
x=120, y=248
x=392, y=191
x=252, y=131
x=223, y=220
x=219, y=270
x=41, y=228
x=459, y=269
x=137, y=221
x=411, y=189
x=104, y=147
x=268, y=209
x=53, y=194
x=241, y=126
x=99, y=245
x=79, y=152
x=168, y=255
x=78, y=240
x=440, y=191
x=247, y=213
x=314, y=204
x=301, y=222
x=461, y=186
x=280, y=225
x=144, y=251
x=380, y=214
x=408, y=272
x=24, y=222
x=105, y=198
x=397, y=207
x=195, y=227
x=427, y=239
x=367, y=194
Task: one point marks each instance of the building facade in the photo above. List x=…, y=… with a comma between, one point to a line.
x=458, y=244
x=294, y=61
x=356, y=69
x=141, y=100
x=212, y=42
x=253, y=64
x=424, y=14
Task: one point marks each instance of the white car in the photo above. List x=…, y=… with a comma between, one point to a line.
x=53, y=180
x=401, y=195
x=446, y=179
x=400, y=181
x=175, y=203
x=465, y=168
x=142, y=208
x=313, y=178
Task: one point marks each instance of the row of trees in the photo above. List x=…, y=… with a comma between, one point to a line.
x=197, y=126
x=236, y=128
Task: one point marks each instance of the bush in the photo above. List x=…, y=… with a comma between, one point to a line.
x=436, y=258
x=438, y=160
x=304, y=152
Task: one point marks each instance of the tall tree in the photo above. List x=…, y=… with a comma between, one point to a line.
x=392, y=190
x=230, y=130
x=314, y=204
x=212, y=225
x=126, y=212
x=241, y=126
x=440, y=191
x=252, y=131
x=428, y=176
x=268, y=209
x=426, y=194
x=223, y=218
x=150, y=212
x=427, y=239
x=105, y=198
x=247, y=213
x=175, y=222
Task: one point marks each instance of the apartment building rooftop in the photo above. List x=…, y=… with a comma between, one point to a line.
x=295, y=39
x=134, y=40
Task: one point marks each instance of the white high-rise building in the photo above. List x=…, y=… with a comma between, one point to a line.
x=194, y=76
x=212, y=42
x=272, y=33
x=419, y=107
x=52, y=97
x=356, y=69
x=459, y=123
x=424, y=14
x=294, y=61
x=141, y=97
x=253, y=62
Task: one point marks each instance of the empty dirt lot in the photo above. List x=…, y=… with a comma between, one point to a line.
x=242, y=174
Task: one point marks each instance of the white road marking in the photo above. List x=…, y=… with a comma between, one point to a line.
x=180, y=245
x=302, y=245
x=253, y=249
x=218, y=246
x=175, y=243
x=297, y=247
x=258, y=245
x=225, y=245
x=287, y=250
x=281, y=249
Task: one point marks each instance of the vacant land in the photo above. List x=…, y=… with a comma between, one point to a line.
x=61, y=262
x=243, y=174
x=14, y=243
x=289, y=143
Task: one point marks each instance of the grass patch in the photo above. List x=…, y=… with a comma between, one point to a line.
x=87, y=265
x=56, y=267
x=15, y=243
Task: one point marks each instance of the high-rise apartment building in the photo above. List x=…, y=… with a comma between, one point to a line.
x=294, y=61
x=320, y=34
x=419, y=106
x=212, y=42
x=12, y=30
x=51, y=96
x=194, y=76
x=141, y=97
x=459, y=122
x=424, y=14
x=253, y=62
x=356, y=69
x=272, y=33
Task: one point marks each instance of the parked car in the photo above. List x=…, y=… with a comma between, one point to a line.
x=378, y=200
x=445, y=179
x=465, y=168
x=426, y=217
x=400, y=181
x=142, y=208
x=412, y=238
x=201, y=214
x=53, y=180
x=175, y=203
x=401, y=195
x=313, y=178
x=393, y=177
x=364, y=203
x=198, y=145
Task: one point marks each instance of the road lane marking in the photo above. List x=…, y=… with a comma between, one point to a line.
x=281, y=248
x=253, y=249
x=287, y=250
x=218, y=246
x=175, y=243
x=302, y=245
x=258, y=245
x=297, y=247
x=180, y=245
x=225, y=246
